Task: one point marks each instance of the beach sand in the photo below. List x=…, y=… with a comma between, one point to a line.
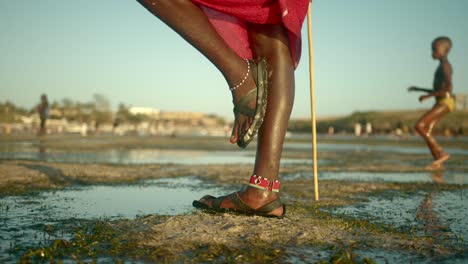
x=309, y=232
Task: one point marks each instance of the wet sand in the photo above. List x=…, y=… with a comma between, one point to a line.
x=311, y=231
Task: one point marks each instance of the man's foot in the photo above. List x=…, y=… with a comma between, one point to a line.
x=247, y=94
x=249, y=202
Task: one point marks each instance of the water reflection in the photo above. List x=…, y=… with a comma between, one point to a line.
x=440, y=214
x=142, y=156
x=41, y=152
x=425, y=213
x=400, y=177
x=27, y=220
x=370, y=148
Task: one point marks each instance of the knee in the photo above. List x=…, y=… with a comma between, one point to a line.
x=279, y=53
x=420, y=127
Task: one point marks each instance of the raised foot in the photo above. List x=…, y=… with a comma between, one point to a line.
x=435, y=167
x=250, y=104
x=438, y=164
x=443, y=158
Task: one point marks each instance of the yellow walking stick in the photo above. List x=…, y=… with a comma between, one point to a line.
x=312, y=102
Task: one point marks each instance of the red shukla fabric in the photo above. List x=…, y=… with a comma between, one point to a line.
x=230, y=18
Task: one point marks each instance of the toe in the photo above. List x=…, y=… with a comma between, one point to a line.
x=251, y=119
x=207, y=200
x=245, y=126
x=235, y=132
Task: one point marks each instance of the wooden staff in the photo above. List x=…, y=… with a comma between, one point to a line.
x=312, y=102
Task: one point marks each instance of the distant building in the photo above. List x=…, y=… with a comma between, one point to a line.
x=147, y=111
x=177, y=118
x=180, y=116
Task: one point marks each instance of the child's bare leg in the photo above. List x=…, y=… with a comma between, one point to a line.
x=425, y=125
x=189, y=21
x=270, y=42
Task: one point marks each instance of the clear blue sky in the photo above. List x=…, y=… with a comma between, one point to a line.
x=367, y=52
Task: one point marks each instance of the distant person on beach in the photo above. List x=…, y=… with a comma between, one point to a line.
x=368, y=128
x=43, y=110
x=357, y=129
x=445, y=103
x=115, y=125
x=256, y=45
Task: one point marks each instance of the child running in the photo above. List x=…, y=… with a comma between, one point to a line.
x=445, y=103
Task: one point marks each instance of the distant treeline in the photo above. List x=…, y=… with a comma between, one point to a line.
x=9, y=112
x=383, y=122
x=98, y=110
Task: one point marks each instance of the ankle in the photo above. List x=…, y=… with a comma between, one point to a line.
x=262, y=188
x=244, y=79
x=257, y=194
x=240, y=77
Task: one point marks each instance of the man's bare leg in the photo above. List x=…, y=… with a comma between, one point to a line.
x=270, y=42
x=199, y=32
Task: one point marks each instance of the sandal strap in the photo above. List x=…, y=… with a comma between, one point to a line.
x=242, y=106
x=208, y=197
x=216, y=204
x=270, y=207
x=237, y=201
x=241, y=206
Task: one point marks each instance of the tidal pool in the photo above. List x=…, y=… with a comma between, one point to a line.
x=371, y=148
x=139, y=156
x=33, y=220
x=314, y=255
x=400, y=177
x=442, y=215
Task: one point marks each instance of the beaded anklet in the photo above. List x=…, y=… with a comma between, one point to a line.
x=245, y=78
x=264, y=184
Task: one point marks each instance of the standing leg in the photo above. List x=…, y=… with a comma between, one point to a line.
x=425, y=126
x=270, y=42
x=42, y=129
x=189, y=21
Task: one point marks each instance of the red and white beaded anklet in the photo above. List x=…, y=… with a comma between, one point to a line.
x=264, y=184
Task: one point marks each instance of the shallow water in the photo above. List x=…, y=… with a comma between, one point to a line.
x=31, y=150
x=442, y=215
x=371, y=148
x=24, y=219
x=135, y=156
x=399, y=177
x=313, y=255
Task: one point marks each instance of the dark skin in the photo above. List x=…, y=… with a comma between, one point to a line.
x=267, y=41
x=442, y=88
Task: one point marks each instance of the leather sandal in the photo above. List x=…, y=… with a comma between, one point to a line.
x=241, y=207
x=259, y=94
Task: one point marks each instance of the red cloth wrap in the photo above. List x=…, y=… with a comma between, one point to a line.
x=230, y=18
